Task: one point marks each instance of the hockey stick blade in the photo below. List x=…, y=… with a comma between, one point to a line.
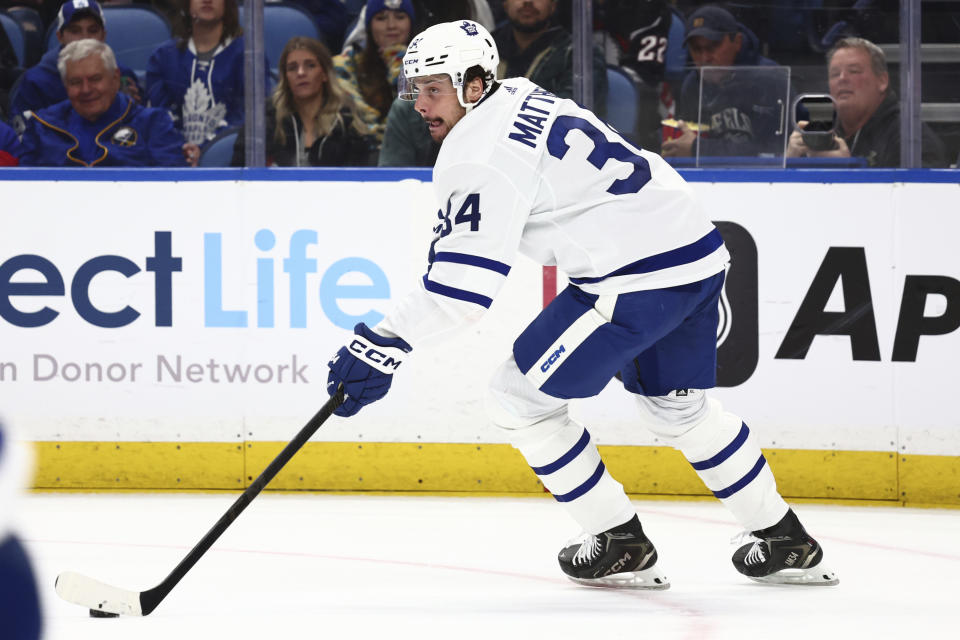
x=98, y=596
x=93, y=594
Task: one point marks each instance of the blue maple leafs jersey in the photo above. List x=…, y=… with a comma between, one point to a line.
x=528, y=172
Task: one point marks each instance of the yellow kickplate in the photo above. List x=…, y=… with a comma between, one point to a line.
x=930, y=479
x=397, y=466
x=473, y=468
x=138, y=465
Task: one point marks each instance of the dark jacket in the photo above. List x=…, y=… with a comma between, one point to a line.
x=43, y=87
x=406, y=140
x=548, y=62
x=127, y=135
x=878, y=141
x=342, y=147
x=745, y=111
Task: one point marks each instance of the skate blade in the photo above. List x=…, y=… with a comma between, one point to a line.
x=815, y=576
x=651, y=579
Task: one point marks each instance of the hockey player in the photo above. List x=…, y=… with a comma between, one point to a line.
x=522, y=170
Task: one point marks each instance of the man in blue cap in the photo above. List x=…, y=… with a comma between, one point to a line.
x=41, y=85
x=739, y=112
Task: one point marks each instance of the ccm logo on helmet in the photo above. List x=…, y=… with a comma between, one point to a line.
x=380, y=358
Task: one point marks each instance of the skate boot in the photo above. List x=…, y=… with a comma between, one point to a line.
x=784, y=554
x=621, y=557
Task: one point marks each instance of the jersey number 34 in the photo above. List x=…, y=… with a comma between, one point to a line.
x=603, y=151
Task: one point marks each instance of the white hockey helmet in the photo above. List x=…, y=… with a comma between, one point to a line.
x=449, y=48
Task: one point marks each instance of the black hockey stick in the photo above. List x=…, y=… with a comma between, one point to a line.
x=105, y=600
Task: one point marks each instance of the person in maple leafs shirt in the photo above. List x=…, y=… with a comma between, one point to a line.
x=198, y=75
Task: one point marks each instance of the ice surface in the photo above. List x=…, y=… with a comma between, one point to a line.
x=391, y=568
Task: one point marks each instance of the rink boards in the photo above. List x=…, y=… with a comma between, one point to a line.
x=164, y=330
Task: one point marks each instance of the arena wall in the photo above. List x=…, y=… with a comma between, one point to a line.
x=170, y=329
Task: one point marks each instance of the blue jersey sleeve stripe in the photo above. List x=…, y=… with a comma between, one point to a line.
x=744, y=481
x=457, y=294
x=562, y=461
x=473, y=261
x=673, y=258
x=590, y=483
x=726, y=452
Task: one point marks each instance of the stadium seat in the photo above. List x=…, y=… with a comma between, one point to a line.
x=622, y=100
x=354, y=6
x=219, y=151
x=133, y=32
x=29, y=19
x=17, y=38
x=676, y=55
x=282, y=21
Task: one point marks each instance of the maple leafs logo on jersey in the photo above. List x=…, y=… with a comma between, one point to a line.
x=469, y=28
x=202, y=114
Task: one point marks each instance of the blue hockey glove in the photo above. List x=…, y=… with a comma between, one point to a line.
x=364, y=366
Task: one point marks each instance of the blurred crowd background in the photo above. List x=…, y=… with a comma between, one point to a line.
x=704, y=84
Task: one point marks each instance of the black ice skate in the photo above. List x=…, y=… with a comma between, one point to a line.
x=784, y=554
x=621, y=557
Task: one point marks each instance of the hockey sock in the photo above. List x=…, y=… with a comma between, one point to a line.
x=566, y=460
x=726, y=456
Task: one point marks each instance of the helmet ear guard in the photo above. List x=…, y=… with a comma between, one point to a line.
x=450, y=48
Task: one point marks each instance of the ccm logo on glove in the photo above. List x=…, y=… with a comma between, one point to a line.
x=385, y=359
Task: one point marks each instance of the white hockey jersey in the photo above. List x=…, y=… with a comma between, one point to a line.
x=527, y=171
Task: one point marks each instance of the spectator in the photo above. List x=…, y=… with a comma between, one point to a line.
x=310, y=120
x=868, y=114
x=41, y=85
x=369, y=73
x=198, y=75
x=634, y=35
x=534, y=46
x=537, y=48
x=742, y=108
x=98, y=125
x=10, y=147
x=428, y=13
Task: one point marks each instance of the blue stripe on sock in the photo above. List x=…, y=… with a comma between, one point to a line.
x=565, y=458
x=726, y=452
x=744, y=481
x=586, y=486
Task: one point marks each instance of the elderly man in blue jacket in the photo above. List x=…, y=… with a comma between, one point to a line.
x=98, y=125
x=41, y=85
